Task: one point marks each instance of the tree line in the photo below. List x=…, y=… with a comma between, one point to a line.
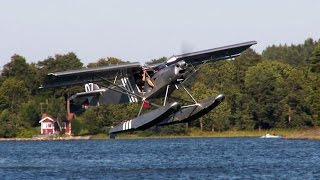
x=276, y=89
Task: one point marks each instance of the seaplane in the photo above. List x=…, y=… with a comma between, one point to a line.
x=136, y=83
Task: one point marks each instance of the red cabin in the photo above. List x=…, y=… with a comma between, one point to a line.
x=47, y=125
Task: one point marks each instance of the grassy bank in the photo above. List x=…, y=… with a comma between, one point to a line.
x=311, y=133
x=231, y=133
x=244, y=133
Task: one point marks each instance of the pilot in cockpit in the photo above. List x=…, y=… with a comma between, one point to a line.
x=143, y=77
x=140, y=79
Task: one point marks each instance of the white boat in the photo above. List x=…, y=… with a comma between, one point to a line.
x=271, y=136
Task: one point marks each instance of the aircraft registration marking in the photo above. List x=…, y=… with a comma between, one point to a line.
x=88, y=87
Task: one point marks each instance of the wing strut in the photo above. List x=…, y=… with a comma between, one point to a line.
x=165, y=98
x=194, y=70
x=188, y=93
x=125, y=91
x=141, y=107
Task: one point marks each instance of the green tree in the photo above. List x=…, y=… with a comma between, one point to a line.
x=18, y=68
x=315, y=60
x=91, y=121
x=244, y=119
x=157, y=61
x=9, y=124
x=265, y=83
x=106, y=62
x=14, y=93
x=294, y=109
x=77, y=126
x=4, y=102
x=221, y=75
x=313, y=98
x=30, y=113
x=58, y=63
x=216, y=119
x=295, y=55
x=64, y=62
x=247, y=59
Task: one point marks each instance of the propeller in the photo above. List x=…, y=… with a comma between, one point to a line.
x=186, y=47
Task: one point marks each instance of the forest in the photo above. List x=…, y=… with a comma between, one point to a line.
x=278, y=88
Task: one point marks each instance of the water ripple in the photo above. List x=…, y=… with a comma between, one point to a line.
x=190, y=158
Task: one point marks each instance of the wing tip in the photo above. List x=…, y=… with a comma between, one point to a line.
x=252, y=42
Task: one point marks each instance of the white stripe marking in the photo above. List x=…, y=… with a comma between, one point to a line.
x=134, y=99
x=126, y=86
x=130, y=124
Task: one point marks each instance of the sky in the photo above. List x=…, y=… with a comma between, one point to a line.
x=142, y=30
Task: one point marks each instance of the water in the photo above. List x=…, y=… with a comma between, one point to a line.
x=190, y=158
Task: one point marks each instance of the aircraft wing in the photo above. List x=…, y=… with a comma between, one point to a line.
x=82, y=76
x=215, y=54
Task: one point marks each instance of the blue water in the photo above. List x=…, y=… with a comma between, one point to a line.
x=190, y=158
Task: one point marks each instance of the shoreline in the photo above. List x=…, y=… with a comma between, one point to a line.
x=290, y=134
x=48, y=138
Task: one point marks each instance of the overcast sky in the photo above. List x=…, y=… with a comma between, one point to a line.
x=140, y=30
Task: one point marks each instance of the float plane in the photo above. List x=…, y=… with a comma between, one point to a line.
x=134, y=83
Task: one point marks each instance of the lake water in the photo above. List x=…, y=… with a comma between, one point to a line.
x=186, y=158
